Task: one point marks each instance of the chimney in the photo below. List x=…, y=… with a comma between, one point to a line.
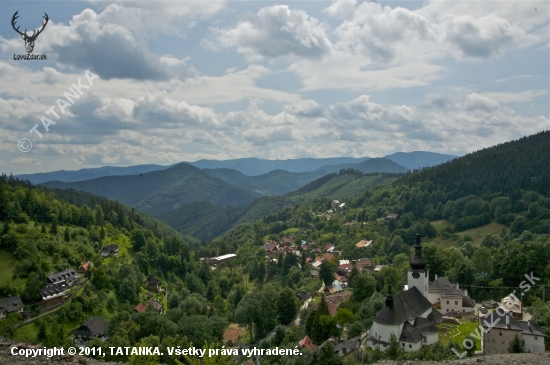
x=457, y=286
x=507, y=319
x=436, y=276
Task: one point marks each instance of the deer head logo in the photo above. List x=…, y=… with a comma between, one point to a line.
x=29, y=40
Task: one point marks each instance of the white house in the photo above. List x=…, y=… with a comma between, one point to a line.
x=447, y=297
x=410, y=315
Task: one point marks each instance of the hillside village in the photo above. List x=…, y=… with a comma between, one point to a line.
x=356, y=280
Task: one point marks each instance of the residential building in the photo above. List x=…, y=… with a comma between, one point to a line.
x=63, y=278
x=140, y=308
x=500, y=328
x=363, y=243
x=9, y=305
x=306, y=342
x=511, y=303
x=95, y=327
x=109, y=250
x=52, y=291
x=219, y=259
x=363, y=264
x=82, y=269
x=155, y=303
x=448, y=298
x=350, y=345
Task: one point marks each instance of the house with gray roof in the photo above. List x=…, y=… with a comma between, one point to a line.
x=52, y=291
x=500, y=328
x=9, y=305
x=409, y=316
x=95, y=327
x=63, y=278
x=448, y=298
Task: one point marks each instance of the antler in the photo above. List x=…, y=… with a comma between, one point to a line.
x=15, y=16
x=43, y=25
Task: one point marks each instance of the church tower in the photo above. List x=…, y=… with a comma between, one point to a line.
x=418, y=275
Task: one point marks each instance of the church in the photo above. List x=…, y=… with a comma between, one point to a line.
x=409, y=315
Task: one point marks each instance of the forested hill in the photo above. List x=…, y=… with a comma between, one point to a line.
x=521, y=164
x=158, y=192
x=21, y=202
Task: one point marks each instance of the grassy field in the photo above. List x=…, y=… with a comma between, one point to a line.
x=457, y=333
x=475, y=234
x=7, y=266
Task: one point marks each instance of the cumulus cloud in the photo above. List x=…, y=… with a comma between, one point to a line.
x=305, y=108
x=276, y=31
x=482, y=37
x=382, y=33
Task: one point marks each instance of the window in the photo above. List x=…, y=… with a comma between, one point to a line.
x=447, y=309
x=456, y=302
x=447, y=302
x=410, y=346
x=500, y=333
x=425, y=338
x=536, y=338
x=402, y=344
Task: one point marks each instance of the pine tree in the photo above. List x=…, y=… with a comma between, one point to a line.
x=66, y=236
x=53, y=228
x=516, y=345
x=41, y=335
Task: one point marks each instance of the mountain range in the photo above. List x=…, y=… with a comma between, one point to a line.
x=246, y=166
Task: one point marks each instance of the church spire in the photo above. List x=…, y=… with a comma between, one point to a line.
x=389, y=298
x=418, y=262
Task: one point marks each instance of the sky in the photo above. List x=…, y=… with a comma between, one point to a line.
x=137, y=82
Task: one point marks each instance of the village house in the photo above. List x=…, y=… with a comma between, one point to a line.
x=363, y=243
x=379, y=268
x=10, y=305
x=155, y=303
x=306, y=342
x=95, y=327
x=350, y=345
x=52, y=291
x=140, y=308
x=500, y=328
x=109, y=250
x=391, y=216
x=63, y=278
x=363, y=264
x=215, y=261
x=410, y=315
x=448, y=298
x=85, y=267
x=511, y=303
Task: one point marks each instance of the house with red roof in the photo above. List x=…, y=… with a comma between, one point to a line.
x=306, y=342
x=140, y=308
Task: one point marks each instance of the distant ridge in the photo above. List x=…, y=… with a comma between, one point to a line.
x=247, y=166
x=88, y=174
x=419, y=159
x=254, y=166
